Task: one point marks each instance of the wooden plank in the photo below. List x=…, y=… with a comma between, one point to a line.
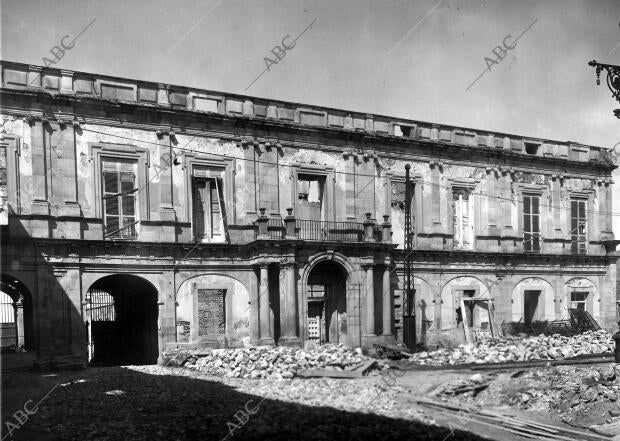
x=328, y=373
x=465, y=326
x=363, y=367
x=498, y=417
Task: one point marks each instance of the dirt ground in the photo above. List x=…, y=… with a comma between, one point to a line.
x=154, y=402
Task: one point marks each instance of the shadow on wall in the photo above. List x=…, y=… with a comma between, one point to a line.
x=54, y=327
x=134, y=405
x=53, y=324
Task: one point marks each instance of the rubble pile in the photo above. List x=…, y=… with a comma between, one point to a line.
x=274, y=362
x=581, y=396
x=510, y=349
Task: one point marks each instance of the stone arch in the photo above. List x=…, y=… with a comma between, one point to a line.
x=17, y=327
x=326, y=256
x=451, y=292
x=349, y=318
x=576, y=285
x=122, y=313
x=213, y=309
x=152, y=279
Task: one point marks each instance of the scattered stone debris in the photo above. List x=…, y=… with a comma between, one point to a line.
x=586, y=397
x=511, y=349
x=274, y=362
x=471, y=386
x=391, y=352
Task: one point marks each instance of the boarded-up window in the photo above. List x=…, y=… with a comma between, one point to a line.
x=211, y=311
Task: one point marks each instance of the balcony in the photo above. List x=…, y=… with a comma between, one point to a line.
x=319, y=231
x=332, y=231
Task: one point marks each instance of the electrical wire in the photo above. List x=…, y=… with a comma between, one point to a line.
x=415, y=181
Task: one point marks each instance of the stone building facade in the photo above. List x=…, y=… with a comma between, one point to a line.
x=139, y=217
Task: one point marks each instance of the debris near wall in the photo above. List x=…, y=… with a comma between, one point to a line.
x=586, y=397
x=514, y=349
x=278, y=362
x=579, y=321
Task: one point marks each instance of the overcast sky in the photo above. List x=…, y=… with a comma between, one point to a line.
x=412, y=59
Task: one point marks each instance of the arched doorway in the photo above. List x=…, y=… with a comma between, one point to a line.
x=327, y=303
x=532, y=301
x=122, y=315
x=16, y=328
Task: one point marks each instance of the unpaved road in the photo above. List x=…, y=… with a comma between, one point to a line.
x=163, y=403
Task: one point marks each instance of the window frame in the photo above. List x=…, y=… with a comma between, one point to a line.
x=100, y=152
x=584, y=302
x=120, y=202
x=531, y=230
x=194, y=161
x=575, y=247
x=416, y=211
x=326, y=172
x=461, y=191
x=210, y=237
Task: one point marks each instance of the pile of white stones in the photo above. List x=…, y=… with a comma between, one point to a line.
x=511, y=349
x=274, y=362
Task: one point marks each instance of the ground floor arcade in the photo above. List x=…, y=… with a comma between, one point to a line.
x=127, y=304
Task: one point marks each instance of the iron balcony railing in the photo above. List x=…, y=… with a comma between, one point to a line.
x=532, y=242
x=327, y=230
x=275, y=228
x=314, y=230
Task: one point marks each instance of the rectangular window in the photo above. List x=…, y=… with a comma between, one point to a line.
x=578, y=300
x=119, y=198
x=578, y=226
x=397, y=203
x=310, y=195
x=531, y=224
x=463, y=225
x=208, y=209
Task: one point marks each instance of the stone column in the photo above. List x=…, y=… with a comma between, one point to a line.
x=19, y=321
x=266, y=337
x=387, y=302
x=370, y=301
x=288, y=306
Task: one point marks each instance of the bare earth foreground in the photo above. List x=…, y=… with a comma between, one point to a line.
x=166, y=403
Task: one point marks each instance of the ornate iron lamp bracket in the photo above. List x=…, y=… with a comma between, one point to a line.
x=613, y=79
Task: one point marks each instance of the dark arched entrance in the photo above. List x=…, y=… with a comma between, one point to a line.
x=327, y=303
x=122, y=317
x=16, y=314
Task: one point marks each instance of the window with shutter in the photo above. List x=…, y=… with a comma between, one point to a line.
x=119, y=199
x=208, y=210
x=578, y=226
x=463, y=225
x=531, y=224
